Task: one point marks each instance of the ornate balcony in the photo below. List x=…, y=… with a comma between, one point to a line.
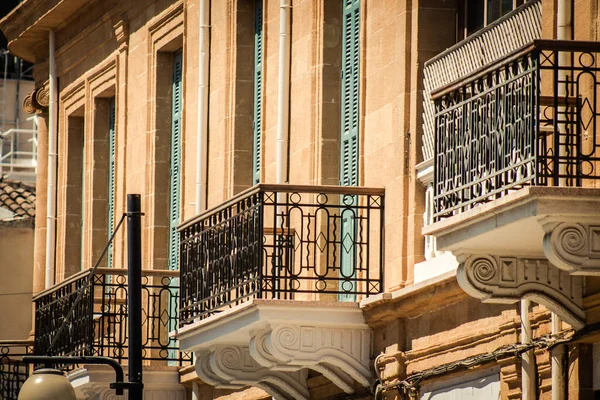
x=13, y=372
x=270, y=282
x=529, y=119
x=515, y=176
x=98, y=326
x=282, y=242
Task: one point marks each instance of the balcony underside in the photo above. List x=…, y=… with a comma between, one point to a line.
x=271, y=344
x=533, y=243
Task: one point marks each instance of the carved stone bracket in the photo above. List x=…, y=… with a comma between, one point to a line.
x=339, y=354
x=232, y=367
x=573, y=247
x=497, y=279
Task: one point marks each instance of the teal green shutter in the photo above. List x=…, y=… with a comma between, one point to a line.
x=258, y=55
x=349, y=142
x=350, y=97
x=111, y=177
x=175, y=184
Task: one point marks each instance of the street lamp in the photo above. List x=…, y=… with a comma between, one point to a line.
x=47, y=384
x=52, y=384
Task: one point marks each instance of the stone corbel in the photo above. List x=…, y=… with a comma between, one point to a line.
x=573, y=247
x=232, y=367
x=496, y=279
x=339, y=354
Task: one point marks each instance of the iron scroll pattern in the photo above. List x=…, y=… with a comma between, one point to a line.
x=13, y=372
x=98, y=326
x=530, y=121
x=281, y=244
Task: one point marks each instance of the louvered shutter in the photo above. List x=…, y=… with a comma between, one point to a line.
x=111, y=177
x=175, y=176
x=258, y=56
x=350, y=95
x=349, y=144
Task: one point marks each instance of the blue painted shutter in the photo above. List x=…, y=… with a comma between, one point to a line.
x=258, y=56
x=175, y=177
x=111, y=177
x=349, y=143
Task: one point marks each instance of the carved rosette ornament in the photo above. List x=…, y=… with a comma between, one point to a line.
x=232, y=367
x=496, y=279
x=574, y=247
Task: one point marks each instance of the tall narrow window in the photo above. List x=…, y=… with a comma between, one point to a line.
x=258, y=55
x=111, y=177
x=349, y=142
x=175, y=178
x=350, y=81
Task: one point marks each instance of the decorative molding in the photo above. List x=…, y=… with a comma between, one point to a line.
x=339, y=354
x=574, y=247
x=497, y=279
x=232, y=367
x=121, y=31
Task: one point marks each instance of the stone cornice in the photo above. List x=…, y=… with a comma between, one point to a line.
x=28, y=24
x=412, y=300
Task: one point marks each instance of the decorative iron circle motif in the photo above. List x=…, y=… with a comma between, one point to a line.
x=483, y=269
x=294, y=284
x=320, y=285
x=572, y=239
x=347, y=286
x=348, y=200
x=295, y=198
x=586, y=60
x=322, y=199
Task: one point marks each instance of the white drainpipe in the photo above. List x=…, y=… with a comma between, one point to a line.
x=564, y=31
x=51, y=211
x=283, y=100
x=528, y=381
x=202, y=144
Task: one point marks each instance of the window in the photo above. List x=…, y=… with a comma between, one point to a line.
x=257, y=112
x=349, y=138
x=476, y=14
x=111, y=177
x=175, y=163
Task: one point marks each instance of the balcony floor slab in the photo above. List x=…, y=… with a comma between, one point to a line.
x=516, y=223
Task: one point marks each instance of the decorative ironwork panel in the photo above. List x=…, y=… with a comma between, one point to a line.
x=13, y=372
x=282, y=242
x=98, y=325
x=529, y=121
x=499, y=39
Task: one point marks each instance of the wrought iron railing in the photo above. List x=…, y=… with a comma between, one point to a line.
x=98, y=326
x=13, y=372
x=531, y=119
x=282, y=242
x=487, y=46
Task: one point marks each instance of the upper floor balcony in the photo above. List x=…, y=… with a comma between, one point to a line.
x=97, y=325
x=276, y=266
x=515, y=152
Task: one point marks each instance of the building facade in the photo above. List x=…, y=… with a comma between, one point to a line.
x=342, y=199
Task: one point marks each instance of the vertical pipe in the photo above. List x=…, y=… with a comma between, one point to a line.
x=528, y=358
x=564, y=31
x=202, y=144
x=558, y=372
x=52, y=139
x=283, y=100
x=134, y=295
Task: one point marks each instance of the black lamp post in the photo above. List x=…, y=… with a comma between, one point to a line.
x=50, y=383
